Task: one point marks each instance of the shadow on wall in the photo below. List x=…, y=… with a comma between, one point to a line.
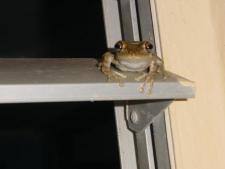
x=217, y=16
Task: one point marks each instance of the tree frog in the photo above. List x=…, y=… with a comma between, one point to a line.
x=133, y=56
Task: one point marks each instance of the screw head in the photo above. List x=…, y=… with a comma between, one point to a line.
x=134, y=117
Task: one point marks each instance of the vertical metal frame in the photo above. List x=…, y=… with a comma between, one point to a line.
x=113, y=29
x=129, y=20
x=132, y=20
x=125, y=138
x=112, y=22
x=146, y=28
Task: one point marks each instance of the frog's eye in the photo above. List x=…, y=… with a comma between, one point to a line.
x=119, y=45
x=148, y=45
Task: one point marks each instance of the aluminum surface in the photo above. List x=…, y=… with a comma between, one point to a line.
x=145, y=22
x=125, y=139
x=144, y=148
x=129, y=20
x=125, y=136
x=112, y=22
x=52, y=80
x=160, y=142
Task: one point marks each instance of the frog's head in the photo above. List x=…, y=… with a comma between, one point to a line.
x=135, y=47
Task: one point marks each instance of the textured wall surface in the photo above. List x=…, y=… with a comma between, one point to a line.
x=193, y=45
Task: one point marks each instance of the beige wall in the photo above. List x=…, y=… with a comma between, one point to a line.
x=193, y=44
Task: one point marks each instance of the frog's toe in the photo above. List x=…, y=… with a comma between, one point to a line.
x=150, y=86
x=119, y=74
x=141, y=89
x=165, y=76
x=117, y=79
x=149, y=91
x=114, y=77
x=121, y=83
x=142, y=76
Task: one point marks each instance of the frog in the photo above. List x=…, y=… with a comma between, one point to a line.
x=132, y=56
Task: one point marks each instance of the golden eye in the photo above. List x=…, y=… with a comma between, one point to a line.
x=119, y=45
x=148, y=45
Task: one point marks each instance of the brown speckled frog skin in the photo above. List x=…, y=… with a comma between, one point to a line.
x=132, y=57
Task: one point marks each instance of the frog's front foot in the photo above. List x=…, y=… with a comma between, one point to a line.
x=114, y=75
x=147, y=81
x=147, y=84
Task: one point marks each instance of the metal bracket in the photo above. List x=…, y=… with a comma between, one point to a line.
x=140, y=114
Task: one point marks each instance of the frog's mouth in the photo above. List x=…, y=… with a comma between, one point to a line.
x=133, y=66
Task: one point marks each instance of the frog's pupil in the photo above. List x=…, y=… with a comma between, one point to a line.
x=118, y=46
x=149, y=46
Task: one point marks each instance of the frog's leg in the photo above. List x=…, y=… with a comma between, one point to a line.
x=105, y=67
x=150, y=77
x=142, y=76
x=161, y=70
